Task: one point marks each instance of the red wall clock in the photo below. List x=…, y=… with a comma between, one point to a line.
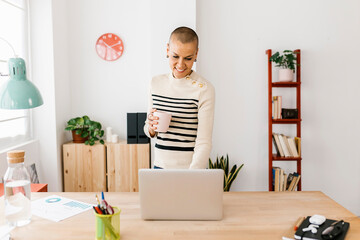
x=109, y=47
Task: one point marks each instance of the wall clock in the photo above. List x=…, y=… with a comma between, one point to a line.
x=109, y=47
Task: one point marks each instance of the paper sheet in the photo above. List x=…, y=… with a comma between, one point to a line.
x=57, y=208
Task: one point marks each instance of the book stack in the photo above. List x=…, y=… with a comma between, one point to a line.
x=287, y=146
x=283, y=182
x=276, y=107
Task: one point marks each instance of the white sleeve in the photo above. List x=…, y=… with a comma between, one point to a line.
x=203, y=142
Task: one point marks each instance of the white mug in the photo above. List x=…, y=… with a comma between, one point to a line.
x=163, y=121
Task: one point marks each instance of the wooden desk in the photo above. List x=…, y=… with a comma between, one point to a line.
x=247, y=215
x=35, y=187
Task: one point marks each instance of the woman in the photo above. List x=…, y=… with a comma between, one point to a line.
x=190, y=99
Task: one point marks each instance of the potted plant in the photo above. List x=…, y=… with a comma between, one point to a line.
x=85, y=130
x=287, y=62
x=223, y=163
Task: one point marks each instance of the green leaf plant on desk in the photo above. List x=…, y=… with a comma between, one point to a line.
x=85, y=130
x=223, y=163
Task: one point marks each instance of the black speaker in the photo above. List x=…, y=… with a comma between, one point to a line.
x=132, y=128
x=141, y=137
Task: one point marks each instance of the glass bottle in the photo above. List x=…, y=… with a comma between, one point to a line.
x=17, y=190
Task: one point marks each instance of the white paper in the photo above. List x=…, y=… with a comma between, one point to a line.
x=4, y=232
x=57, y=208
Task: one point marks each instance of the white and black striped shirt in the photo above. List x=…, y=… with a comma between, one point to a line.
x=190, y=100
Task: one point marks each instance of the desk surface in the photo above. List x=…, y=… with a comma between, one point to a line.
x=247, y=215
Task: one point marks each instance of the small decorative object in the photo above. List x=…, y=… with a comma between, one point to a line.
x=223, y=163
x=114, y=138
x=109, y=47
x=289, y=113
x=287, y=62
x=108, y=134
x=85, y=130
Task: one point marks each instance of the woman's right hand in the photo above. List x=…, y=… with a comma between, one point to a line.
x=152, y=122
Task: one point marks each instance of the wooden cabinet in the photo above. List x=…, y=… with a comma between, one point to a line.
x=109, y=167
x=84, y=167
x=297, y=85
x=123, y=162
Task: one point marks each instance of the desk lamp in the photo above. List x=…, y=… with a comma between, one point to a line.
x=18, y=92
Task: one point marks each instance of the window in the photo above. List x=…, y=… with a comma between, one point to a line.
x=14, y=124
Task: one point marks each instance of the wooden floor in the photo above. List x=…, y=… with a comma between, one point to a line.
x=247, y=215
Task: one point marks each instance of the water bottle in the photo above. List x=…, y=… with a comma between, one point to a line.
x=17, y=190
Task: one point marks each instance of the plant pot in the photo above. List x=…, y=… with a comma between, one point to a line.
x=77, y=137
x=286, y=75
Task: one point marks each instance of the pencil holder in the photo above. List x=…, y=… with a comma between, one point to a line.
x=108, y=226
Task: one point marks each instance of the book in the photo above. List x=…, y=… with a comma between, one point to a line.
x=292, y=146
x=315, y=236
x=289, y=179
x=281, y=180
x=275, y=100
x=285, y=182
x=293, y=182
x=279, y=107
x=284, y=146
x=277, y=179
x=298, y=144
x=278, y=144
x=287, y=145
x=276, y=147
x=297, y=182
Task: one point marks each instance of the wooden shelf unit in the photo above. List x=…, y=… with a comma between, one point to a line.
x=296, y=84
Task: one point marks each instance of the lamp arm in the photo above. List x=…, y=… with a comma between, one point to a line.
x=9, y=45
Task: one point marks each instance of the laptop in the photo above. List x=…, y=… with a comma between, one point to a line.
x=181, y=194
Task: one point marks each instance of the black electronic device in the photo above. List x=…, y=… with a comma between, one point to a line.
x=141, y=137
x=132, y=128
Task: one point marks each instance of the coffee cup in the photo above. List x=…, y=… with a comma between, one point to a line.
x=163, y=121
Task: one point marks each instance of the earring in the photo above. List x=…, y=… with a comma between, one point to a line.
x=195, y=60
x=167, y=56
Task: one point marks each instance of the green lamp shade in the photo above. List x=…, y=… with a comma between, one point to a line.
x=18, y=92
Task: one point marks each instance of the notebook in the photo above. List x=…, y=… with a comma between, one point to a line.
x=311, y=236
x=180, y=194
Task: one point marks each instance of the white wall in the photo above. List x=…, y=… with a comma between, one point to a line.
x=233, y=38
x=103, y=90
x=42, y=73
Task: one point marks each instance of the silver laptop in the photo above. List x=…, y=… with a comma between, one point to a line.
x=179, y=194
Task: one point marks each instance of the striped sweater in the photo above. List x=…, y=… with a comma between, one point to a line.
x=190, y=100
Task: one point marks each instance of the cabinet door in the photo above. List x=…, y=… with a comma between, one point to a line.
x=123, y=162
x=84, y=167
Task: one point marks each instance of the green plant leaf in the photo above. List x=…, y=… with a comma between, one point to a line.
x=226, y=169
x=78, y=131
x=211, y=166
x=102, y=141
x=87, y=142
x=84, y=134
x=233, y=176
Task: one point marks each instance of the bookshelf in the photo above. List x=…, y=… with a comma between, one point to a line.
x=296, y=84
